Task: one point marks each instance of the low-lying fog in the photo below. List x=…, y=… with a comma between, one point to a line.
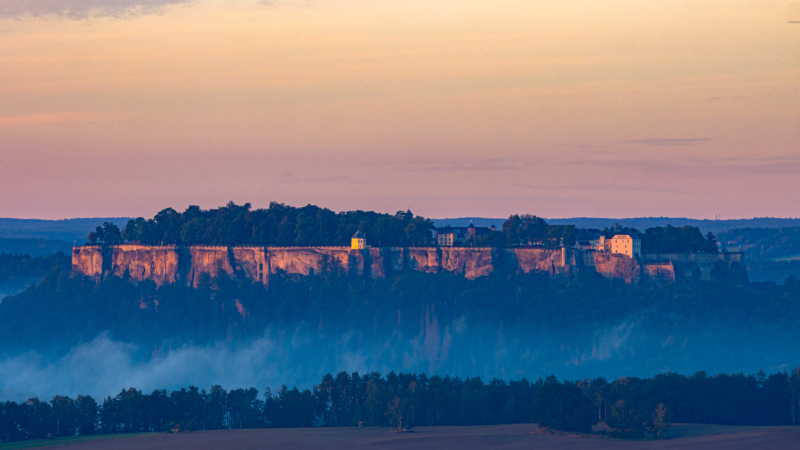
x=300, y=357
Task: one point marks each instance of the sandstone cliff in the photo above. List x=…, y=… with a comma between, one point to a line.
x=190, y=265
x=617, y=266
x=88, y=260
x=160, y=264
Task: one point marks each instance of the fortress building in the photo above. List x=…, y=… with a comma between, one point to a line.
x=622, y=244
x=450, y=236
x=359, y=241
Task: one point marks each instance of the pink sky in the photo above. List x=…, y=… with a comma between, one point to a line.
x=451, y=108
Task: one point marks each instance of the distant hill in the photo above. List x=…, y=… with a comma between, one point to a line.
x=67, y=230
x=640, y=223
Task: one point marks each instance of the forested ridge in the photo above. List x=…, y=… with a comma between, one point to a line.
x=764, y=243
x=16, y=266
x=631, y=406
x=283, y=225
x=277, y=225
x=771, y=254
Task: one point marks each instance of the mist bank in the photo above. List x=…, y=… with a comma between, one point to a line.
x=301, y=356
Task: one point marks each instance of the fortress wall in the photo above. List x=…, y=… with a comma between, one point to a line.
x=302, y=260
x=160, y=264
x=472, y=262
x=659, y=271
x=701, y=265
x=395, y=258
x=377, y=261
x=614, y=265
x=529, y=260
x=207, y=260
x=88, y=260
x=424, y=259
x=251, y=263
x=699, y=258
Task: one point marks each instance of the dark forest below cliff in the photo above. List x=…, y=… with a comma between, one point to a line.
x=443, y=315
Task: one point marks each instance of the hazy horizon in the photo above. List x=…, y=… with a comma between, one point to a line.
x=467, y=216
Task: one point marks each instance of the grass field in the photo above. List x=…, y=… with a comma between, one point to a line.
x=684, y=436
x=60, y=442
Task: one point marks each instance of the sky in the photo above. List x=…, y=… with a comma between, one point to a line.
x=610, y=108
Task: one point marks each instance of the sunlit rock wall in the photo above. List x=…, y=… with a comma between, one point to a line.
x=307, y=260
x=614, y=265
x=471, y=262
x=190, y=265
x=160, y=264
x=88, y=260
x=207, y=262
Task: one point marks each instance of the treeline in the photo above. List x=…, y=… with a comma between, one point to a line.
x=278, y=225
x=531, y=230
x=20, y=267
x=631, y=406
x=283, y=225
x=34, y=247
x=669, y=239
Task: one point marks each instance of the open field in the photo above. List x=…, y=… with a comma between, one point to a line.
x=700, y=437
x=60, y=442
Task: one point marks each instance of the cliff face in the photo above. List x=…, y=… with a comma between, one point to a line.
x=88, y=260
x=250, y=262
x=190, y=265
x=208, y=262
x=160, y=264
x=659, y=272
x=425, y=259
x=528, y=260
x=617, y=266
x=305, y=260
x=473, y=263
